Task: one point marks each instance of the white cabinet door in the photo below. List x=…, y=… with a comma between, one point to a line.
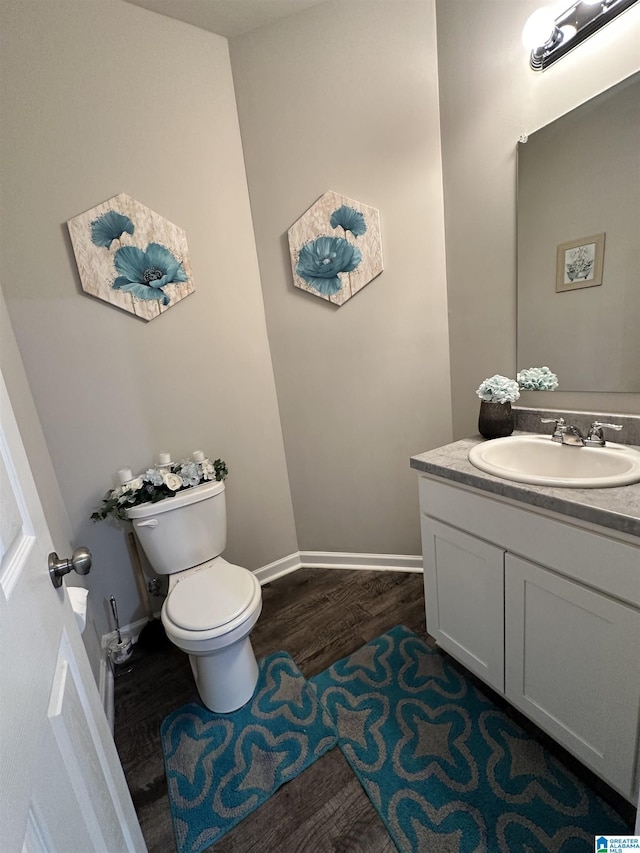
x=572, y=666
x=464, y=595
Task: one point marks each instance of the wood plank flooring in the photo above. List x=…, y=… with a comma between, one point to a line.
x=318, y=616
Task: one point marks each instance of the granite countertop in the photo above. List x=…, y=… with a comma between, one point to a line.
x=616, y=508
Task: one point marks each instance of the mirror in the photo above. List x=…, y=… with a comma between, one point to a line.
x=579, y=244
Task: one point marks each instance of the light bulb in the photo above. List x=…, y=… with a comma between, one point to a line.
x=539, y=28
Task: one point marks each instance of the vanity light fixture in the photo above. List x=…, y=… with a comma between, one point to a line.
x=549, y=38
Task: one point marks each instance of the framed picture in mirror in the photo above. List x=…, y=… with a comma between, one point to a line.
x=580, y=263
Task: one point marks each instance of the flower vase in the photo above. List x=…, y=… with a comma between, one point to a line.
x=496, y=419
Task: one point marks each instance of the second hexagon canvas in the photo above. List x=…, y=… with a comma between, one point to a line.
x=336, y=248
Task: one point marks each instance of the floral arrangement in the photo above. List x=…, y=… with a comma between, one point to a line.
x=537, y=379
x=501, y=389
x=162, y=481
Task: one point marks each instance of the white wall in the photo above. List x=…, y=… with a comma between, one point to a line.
x=488, y=98
x=102, y=98
x=343, y=97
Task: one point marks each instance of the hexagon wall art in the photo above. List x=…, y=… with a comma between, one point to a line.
x=131, y=257
x=336, y=248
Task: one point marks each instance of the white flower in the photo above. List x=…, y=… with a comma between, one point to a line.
x=498, y=389
x=172, y=481
x=134, y=485
x=208, y=471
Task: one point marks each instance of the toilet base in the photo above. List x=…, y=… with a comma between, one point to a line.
x=226, y=679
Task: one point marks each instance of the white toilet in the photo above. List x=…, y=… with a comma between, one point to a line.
x=212, y=605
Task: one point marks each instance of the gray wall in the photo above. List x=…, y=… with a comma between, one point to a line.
x=488, y=98
x=343, y=97
x=102, y=98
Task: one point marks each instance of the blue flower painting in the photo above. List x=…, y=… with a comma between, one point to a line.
x=321, y=260
x=145, y=273
x=335, y=248
x=128, y=255
x=109, y=227
x=349, y=219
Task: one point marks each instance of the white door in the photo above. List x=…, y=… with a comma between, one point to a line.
x=62, y=788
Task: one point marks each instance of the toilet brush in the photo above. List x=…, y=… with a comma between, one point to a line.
x=121, y=647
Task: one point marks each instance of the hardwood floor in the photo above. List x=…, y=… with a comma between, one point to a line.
x=318, y=616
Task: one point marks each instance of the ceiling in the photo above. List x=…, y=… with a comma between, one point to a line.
x=226, y=17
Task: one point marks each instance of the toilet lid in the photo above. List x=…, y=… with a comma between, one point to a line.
x=210, y=597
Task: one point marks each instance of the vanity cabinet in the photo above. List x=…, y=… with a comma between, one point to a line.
x=544, y=611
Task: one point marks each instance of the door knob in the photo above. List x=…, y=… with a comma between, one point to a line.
x=80, y=562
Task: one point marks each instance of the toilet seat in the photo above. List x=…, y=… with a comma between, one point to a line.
x=211, y=637
x=210, y=596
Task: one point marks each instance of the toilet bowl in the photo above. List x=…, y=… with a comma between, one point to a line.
x=211, y=605
x=209, y=613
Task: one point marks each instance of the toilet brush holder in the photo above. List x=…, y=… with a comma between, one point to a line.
x=121, y=646
x=120, y=649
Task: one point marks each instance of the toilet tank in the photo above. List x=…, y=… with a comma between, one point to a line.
x=184, y=531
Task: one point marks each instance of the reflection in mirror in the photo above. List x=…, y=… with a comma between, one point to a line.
x=579, y=224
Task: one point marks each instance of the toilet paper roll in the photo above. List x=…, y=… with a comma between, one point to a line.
x=78, y=598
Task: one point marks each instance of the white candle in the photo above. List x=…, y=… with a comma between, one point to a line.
x=198, y=456
x=124, y=475
x=164, y=458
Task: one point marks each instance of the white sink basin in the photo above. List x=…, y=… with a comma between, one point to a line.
x=537, y=460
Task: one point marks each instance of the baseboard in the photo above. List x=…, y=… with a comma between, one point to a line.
x=279, y=568
x=107, y=689
x=369, y=562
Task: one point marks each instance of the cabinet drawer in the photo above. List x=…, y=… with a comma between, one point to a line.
x=593, y=559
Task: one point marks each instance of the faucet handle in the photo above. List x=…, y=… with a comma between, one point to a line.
x=559, y=429
x=596, y=436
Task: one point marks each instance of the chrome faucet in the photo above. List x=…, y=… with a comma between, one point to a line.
x=565, y=433
x=570, y=435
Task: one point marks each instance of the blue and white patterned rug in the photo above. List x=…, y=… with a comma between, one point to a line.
x=220, y=767
x=444, y=767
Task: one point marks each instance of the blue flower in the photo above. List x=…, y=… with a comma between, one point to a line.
x=109, y=227
x=537, y=379
x=144, y=274
x=350, y=219
x=498, y=389
x=320, y=261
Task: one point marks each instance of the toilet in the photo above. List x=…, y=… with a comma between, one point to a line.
x=211, y=605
